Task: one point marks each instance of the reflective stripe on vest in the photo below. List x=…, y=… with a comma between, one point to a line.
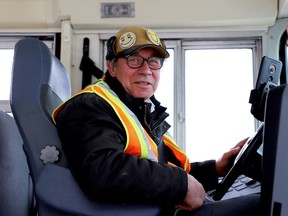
x=178, y=152
x=138, y=143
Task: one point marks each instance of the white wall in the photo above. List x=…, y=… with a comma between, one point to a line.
x=85, y=14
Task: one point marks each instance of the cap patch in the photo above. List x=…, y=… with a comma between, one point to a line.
x=127, y=40
x=153, y=37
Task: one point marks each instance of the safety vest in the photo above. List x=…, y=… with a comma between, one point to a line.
x=138, y=143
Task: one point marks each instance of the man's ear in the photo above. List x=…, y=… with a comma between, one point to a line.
x=110, y=68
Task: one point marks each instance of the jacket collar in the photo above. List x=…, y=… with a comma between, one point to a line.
x=137, y=105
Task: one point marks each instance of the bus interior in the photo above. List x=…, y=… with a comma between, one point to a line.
x=226, y=79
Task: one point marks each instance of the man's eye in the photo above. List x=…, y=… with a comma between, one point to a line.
x=134, y=59
x=154, y=60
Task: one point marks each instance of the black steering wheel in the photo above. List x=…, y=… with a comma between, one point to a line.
x=247, y=162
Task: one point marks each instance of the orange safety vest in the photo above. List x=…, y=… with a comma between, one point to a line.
x=138, y=143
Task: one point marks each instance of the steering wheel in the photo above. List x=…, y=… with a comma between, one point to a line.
x=245, y=163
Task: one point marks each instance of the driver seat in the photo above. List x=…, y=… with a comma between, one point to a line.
x=39, y=84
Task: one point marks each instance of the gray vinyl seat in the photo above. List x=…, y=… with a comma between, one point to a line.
x=39, y=84
x=16, y=190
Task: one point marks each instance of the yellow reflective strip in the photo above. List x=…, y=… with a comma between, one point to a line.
x=55, y=112
x=57, y=109
x=176, y=211
x=153, y=145
x=169, y=141
x=111, y=99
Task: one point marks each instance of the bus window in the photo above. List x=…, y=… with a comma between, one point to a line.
x=215, y=113
x=218, y=84
x=6, y=58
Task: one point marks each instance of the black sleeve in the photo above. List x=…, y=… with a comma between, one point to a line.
x=205, y=172
x=93, y=140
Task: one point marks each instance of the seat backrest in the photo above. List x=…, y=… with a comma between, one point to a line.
x=39, y=84
x=16, y=186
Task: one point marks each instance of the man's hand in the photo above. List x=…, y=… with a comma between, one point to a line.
x=224, y=163
x=195, y=195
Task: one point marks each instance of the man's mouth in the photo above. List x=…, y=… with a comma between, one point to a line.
x=143, y=83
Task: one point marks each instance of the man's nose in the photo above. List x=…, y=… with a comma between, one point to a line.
x=145, y=69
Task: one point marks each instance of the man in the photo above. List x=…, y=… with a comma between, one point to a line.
x=115, y=138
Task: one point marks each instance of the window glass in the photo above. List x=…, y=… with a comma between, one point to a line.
x=165, y=92
x=217, y=90
x=6, y=58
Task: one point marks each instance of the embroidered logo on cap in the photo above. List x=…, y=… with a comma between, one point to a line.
x=153, y=37
x=127, y=40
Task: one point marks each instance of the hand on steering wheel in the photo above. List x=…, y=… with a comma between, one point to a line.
x=242, y=163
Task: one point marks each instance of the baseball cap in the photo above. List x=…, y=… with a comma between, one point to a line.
x=132, y=38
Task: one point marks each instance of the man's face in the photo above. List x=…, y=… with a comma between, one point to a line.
x=141, y=82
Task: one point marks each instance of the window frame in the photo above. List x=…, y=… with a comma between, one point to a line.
x=221, y=43
x=179, y=46
x=8, y=41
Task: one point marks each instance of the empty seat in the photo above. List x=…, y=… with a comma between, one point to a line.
x=16, y=190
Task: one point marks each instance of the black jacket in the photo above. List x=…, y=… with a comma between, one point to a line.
x=93, y=140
